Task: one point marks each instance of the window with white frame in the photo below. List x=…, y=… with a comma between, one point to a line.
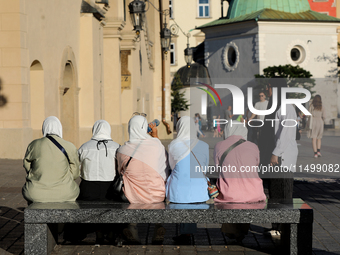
x=203, y=8
x=171, y=9
x=172, y=54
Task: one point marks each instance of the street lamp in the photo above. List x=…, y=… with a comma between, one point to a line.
x=137, y=10
x=165, y=39
x=188, y=55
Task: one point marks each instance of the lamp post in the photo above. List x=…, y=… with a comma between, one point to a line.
x=137, y=11
x=165, y=39
x=137, y=14
x=188, y=55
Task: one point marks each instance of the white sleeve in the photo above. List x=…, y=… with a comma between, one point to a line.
x=284, y=133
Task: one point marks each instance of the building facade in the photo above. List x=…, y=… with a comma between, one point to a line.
x=258, y=34
x=79, y=61
x=197, y=12
x=328, y=7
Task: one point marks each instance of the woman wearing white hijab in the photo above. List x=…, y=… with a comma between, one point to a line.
x=145, y=176
x=98, y=163
x=97, y=170
x=143, y=163
x=50, y=175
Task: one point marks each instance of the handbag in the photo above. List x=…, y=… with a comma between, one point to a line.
x=59, y=146
x=117, y=185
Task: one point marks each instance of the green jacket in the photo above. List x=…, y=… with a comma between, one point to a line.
x=50, y=178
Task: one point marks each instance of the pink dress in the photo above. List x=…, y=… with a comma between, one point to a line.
x=239, y=187
x=218, y=128
x=142, y=184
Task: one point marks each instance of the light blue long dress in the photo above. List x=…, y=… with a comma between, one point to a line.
x=187, y=184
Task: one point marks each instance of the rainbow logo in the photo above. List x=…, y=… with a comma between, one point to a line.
x=213, y=90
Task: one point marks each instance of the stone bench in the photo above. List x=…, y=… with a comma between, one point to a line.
x=41, y=218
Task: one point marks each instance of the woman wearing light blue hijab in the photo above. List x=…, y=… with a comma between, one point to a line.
x=187, y=183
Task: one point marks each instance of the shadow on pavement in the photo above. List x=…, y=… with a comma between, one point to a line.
x=12, y=230
x=323, y=191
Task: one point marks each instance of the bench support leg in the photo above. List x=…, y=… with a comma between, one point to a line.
x=40, y=238
x=301, y=238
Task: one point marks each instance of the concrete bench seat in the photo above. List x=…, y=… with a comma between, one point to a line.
x=41, y=218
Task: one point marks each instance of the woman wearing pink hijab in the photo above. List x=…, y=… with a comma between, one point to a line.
x=238, y=187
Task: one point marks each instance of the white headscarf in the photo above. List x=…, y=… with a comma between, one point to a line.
x=52, y=126
x=236, y=129
x=184, y=143
x=143, y=147
x=101, y=130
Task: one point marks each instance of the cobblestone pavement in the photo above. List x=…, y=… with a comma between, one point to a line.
x=323, y=195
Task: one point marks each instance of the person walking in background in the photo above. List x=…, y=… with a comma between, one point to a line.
x=227, y=113
x=197, y=125
x=200, y=123
x=215, y=127
x=238, y=187
x=185, y=184
x=219, y=128
x=278, y=147
x=50, y=171
x=315, y=124
x=250, y=129
x=260, y=105
x=228, y=117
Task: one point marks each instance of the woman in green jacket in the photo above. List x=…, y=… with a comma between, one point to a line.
x=50, y=174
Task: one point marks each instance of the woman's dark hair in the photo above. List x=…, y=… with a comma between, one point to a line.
x=317, y=103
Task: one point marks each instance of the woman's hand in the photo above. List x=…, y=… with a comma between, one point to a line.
x=153, y=127
x=274, y=160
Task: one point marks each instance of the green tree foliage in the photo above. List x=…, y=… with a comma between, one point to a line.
x=295, y=76
x=178, y=101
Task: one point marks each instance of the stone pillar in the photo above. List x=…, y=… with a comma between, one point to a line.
x=112, y=73
x=14, y=74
